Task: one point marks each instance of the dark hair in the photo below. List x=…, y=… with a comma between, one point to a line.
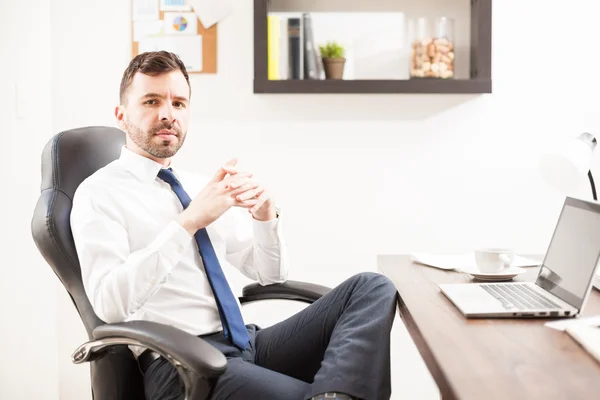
x=151, y=63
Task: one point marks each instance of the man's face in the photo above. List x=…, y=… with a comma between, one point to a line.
x=156, y=114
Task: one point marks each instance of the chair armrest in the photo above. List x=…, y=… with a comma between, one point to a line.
x=290, y=290
x=179, y=347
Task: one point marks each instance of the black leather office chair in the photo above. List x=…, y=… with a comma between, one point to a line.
x=67, y=159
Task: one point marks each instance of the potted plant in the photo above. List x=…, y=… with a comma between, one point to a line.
x=333, y=60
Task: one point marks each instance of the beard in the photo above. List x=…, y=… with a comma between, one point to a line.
x=154, y=145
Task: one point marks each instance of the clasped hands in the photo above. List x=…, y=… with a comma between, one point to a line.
x=247, y=192
x=229, y=187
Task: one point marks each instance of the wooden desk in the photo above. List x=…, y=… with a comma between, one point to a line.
x=486, y=359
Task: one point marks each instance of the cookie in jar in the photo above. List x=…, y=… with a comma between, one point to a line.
x=433, y=54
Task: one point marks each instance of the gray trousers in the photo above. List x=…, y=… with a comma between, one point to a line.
x=340, y=343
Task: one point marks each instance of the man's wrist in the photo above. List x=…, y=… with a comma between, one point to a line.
x=266, y=216
x=187, y=224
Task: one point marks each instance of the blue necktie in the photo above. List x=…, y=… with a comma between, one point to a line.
x=231, y=317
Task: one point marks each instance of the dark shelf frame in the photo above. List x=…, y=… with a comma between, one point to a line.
x=480, y=69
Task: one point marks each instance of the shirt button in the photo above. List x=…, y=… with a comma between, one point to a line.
x=180, y=249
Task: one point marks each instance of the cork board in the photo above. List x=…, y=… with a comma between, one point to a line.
x=209, y=46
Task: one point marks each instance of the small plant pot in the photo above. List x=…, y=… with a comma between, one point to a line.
x=334, y=67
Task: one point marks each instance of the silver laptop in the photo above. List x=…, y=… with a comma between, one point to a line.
x=564, y=280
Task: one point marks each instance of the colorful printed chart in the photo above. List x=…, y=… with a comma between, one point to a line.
x=180, y=23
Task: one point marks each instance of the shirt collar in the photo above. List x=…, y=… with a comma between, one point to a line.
x=141, y=167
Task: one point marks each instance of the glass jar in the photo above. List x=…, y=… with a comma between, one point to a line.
x=432, y=49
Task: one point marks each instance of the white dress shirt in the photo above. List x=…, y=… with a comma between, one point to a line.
x=137, y=263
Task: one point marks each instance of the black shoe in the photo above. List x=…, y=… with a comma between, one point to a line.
x=332, y=396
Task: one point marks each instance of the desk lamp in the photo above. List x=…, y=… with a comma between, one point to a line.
x=563, y=169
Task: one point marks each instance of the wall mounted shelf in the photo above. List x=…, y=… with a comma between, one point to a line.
x=480, y=71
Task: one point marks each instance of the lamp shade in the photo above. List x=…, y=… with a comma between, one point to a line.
x=564, y=168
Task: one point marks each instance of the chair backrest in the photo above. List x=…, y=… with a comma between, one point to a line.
x=67, y=160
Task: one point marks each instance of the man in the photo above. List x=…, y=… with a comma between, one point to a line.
x=153, y=240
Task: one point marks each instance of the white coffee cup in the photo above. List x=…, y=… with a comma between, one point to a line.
x=493, y=259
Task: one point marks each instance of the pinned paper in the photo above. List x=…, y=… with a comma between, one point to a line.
x=181, y=23
x=211, y=11
x=144, y=29
x=187, y=47
x=145, y=10
x=174, y=5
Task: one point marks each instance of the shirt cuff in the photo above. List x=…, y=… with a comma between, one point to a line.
x=267, y=233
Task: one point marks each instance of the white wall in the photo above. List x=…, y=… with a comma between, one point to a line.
x=358, y=175
x=28, y=335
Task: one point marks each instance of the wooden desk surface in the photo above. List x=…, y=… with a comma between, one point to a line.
x=488, y=359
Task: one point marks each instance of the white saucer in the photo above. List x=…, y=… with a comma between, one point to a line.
x=504, y=275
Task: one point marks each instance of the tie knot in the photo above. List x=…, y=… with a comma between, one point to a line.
x=167, y=175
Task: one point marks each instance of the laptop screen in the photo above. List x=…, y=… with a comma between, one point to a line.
x=573, y=253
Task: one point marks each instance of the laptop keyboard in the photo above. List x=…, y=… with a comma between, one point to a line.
x=520, y=297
